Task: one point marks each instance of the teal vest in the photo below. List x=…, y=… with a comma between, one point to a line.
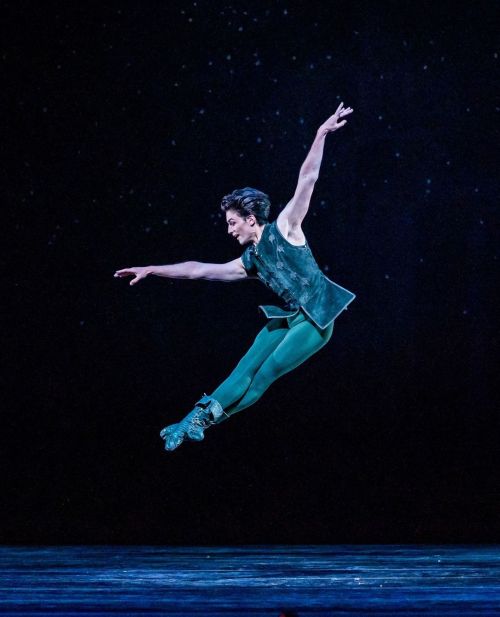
x=292, y=273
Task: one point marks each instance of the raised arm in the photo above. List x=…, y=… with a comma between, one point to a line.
x=228, y=272
x=291, y=217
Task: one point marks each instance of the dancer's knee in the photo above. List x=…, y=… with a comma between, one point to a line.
x=268, y=372
x=233, y=388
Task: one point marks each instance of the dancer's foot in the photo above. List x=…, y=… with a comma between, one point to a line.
x=205, y=413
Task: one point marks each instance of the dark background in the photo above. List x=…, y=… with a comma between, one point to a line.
x=126, y=124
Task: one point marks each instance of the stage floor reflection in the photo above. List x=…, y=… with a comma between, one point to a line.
x=381, y=580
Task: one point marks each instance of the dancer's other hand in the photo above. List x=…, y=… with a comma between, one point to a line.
x=332, y=124
x=138, y=273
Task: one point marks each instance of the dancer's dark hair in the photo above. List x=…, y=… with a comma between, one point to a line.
x=248, y=201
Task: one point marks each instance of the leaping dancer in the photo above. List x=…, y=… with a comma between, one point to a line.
x=279, y=255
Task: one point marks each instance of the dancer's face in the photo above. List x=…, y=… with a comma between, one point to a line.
x=241, y=228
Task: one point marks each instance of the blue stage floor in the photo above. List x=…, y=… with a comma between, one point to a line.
x=379, y=580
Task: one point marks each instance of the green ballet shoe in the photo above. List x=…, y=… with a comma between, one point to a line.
x=206, y=412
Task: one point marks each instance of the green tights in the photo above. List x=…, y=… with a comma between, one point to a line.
x=279, y=347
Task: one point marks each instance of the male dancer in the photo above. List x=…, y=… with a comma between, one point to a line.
x=278, y=255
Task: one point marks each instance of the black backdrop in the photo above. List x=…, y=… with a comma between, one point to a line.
x=126, y=124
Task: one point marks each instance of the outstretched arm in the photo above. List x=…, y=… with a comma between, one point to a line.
x=291, y=217
x=230, y=271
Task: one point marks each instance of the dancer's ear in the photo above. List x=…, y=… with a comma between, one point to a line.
x=251, y=219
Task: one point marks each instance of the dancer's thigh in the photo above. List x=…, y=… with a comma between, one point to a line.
x=265, y=343
x=300, y=343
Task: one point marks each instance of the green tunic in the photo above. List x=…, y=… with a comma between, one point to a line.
x=293, y=274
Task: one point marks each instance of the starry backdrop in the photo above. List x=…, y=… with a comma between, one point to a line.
x=126, y=124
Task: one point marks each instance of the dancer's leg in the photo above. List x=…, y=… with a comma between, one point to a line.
x=212, y=409
x=278, y=348
x=302, y=340
x=234, y=387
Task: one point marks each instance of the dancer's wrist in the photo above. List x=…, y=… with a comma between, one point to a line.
x=154, y=270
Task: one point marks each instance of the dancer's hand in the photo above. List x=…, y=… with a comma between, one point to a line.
x=332, y=124
x=138, y=273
